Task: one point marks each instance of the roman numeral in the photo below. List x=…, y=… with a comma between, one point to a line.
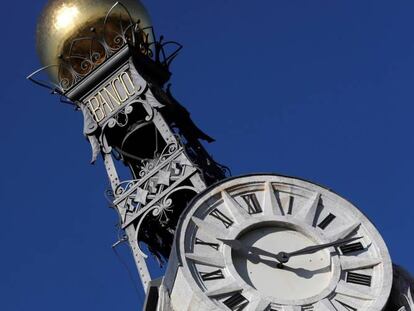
x=236, y=302
x=253, y=205
x=210, y=276
x=357, y=278
x=328, y=219
x=227, y=222
x=290, y=205
x=201, y=242
x=350, y=248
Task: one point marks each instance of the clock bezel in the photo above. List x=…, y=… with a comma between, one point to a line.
x=231, y=184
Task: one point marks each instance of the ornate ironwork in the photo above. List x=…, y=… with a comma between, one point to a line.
x=160, y=211
x=85, y=54
x=401, y=298
x=168, y=168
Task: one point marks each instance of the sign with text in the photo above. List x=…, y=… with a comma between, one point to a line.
x=114, y=94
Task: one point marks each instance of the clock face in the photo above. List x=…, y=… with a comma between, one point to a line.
x=267, y=242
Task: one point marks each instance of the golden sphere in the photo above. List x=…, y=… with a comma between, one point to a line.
x=62, y=21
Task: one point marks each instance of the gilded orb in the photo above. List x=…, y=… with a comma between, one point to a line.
x=63, y=21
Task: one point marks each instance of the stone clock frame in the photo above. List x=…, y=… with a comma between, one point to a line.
x=185, y=289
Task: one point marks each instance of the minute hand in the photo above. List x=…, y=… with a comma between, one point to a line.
x=284, y=257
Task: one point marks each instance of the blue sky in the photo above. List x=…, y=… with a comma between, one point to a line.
x=321, y=90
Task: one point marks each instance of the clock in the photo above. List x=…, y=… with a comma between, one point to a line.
x=269, y=242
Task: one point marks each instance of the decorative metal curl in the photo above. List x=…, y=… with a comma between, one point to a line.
x=51, y=86
x=401, y=297
x=75, y=66
x=407, y=301
x=139, y=226
x=148, y=166
x=124, y=112
x=124, y=186
x=159, y=211
x=120, y=38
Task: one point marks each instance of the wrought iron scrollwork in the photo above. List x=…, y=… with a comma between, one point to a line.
x=147, y=166
x=402, y=293
x=168, y=169
x=160, y=211
x=115, y=39
x=84, y=54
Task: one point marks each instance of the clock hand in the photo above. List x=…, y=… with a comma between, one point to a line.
x=283, y=257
